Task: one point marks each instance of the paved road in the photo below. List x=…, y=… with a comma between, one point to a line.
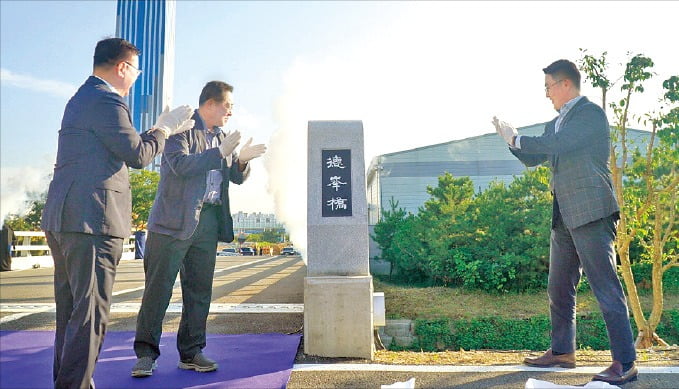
x=250, y=295
x=471, y=377
x=265, y=294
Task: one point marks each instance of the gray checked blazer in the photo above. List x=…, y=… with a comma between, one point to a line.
x=183, y=175
x=579, y=157
x=90, y=188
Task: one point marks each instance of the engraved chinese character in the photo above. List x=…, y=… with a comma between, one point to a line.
x=334, y=161
x=335, y=182
x=337, y=203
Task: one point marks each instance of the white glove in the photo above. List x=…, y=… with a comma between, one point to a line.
x=189, y=124
x=229, y=143
x=176, y=121
x=505, y=130
x=249, y=152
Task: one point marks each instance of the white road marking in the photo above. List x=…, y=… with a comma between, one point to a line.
x=27, y=309
x=176, y=284
x=17, y=316
x=24, y=310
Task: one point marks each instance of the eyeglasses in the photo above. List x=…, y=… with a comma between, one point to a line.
x=134, y=67
x=548, y=87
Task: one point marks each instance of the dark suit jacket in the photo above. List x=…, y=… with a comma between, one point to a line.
x=183, y=175
x=579, y=156
x=90, y=189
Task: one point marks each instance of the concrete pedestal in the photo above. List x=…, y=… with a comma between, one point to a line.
x=338, y=301
x=338, y=316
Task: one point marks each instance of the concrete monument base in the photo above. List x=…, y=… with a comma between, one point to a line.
x=338, y=316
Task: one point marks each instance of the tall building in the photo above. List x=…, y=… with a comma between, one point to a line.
x=149, y=25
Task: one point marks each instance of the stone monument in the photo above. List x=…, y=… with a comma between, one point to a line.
x=338, y=289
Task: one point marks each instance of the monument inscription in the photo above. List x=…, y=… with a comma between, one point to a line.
x=336, y=183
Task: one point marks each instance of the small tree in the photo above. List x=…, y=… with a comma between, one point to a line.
x=31, y=220
x=646, y=188
x=272, y=235
x=144, y=184
x=391, y=221
x=496, y=240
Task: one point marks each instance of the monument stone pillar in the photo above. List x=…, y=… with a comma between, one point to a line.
x=338, y=289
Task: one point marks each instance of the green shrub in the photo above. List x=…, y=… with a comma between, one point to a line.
x=591, y=332
x=496, y=240
x=520, y=334
x=669, y=326
x=642, y=276
x=502, y=334
x=433, y=335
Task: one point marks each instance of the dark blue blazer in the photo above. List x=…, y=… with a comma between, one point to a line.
x=90, y=188
x=183, y=181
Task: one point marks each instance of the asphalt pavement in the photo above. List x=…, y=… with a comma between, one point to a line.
x=260, y=294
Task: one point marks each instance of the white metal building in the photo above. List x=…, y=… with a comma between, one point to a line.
x=405, y=175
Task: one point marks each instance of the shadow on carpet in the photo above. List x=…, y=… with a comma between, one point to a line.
x=245, y=361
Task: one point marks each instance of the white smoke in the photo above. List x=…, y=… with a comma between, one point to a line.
x=286, y=165
x=312, y=91
x=436, y=73
x=17, y=183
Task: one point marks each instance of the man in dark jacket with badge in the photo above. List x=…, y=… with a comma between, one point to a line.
x=190, y=214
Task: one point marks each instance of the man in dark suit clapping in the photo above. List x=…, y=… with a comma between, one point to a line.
x=190, y=214
x=88, y=209
x=577, y=145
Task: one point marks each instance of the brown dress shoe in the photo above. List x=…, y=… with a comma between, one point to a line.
x=615, y=376
x=550, y=360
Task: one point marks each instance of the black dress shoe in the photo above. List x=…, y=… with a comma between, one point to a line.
x=550, y=360
x=615, y=376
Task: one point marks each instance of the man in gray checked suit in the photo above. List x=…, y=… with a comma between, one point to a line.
x=190, y=214
x=88, y=209
x=577, y=145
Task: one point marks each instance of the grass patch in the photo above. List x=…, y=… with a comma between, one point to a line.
x=403, y=302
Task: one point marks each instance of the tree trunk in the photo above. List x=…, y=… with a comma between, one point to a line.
x=632, y=294
x=644, y=341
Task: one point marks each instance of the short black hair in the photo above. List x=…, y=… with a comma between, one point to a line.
x=111, y=51
x=564, y=69
x=215, y=90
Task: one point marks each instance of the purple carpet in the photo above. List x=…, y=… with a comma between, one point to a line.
x=245, y=361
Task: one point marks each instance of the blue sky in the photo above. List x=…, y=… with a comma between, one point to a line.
x=416, y=73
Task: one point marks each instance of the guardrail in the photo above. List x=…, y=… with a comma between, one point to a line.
x=31, y=250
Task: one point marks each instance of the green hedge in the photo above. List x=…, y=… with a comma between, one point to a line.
x=519, y=334
x=642, y=278
x=495, y=240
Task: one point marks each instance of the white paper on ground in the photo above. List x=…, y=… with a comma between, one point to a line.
x=532, y=383
x=410, y=384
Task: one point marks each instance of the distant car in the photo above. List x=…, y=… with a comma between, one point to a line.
x=228, y=252
x=247, y=251
x=289, y=251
